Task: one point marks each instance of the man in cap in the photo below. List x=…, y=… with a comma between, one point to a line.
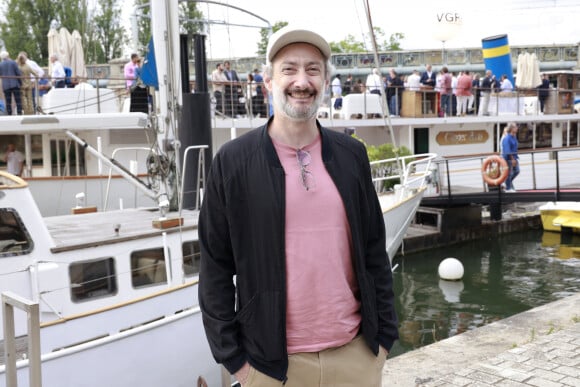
x=290, y=211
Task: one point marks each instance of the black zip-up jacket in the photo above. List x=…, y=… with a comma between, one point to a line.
x=242, y=234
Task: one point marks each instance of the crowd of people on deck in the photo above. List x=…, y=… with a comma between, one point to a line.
x=459, y=93
x=24, y=82
x=234, y=98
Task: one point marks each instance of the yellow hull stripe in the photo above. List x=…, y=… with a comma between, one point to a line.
x=495, y=52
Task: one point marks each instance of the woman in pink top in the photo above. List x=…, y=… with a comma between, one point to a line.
x=463, y=92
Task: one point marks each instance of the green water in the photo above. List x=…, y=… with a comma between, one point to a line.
x=503, y=276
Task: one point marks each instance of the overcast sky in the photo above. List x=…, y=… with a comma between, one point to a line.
x=524, y=21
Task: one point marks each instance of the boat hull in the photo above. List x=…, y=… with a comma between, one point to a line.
x=559, y=215
x=398, y=215
x=169, y=350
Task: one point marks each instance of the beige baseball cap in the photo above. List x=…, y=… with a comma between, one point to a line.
x=288, y=35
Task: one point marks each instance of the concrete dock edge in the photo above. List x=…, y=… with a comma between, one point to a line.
x=440, y=363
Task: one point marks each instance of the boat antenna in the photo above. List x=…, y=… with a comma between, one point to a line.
x=386, y=115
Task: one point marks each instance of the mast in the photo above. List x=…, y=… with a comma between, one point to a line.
x=386, y=115
x=165, y=31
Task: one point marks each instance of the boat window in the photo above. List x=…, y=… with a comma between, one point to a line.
x=191, y=257
x=93, y=279
x=570, y=53
x=476, y=56
x=148, y=267
x=457, y=57
x=67, y=158
x=550, y=54
x=342, y=61
x=413, y=59
x=18, y=140
x=433, y=57
x=14, y=238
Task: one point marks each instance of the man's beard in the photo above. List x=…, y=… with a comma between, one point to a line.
x=301, y=112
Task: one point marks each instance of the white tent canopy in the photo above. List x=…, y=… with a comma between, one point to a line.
x=528, y=71
x=69, y=49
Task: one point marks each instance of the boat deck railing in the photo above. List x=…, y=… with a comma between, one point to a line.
x=409, y=172
x=244, y=99
x=10, y=302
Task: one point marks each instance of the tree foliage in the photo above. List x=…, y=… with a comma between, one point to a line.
x=190, y=22
x=106, y=36
x=265, y=34
x=143, y=22
x=25, y=27
x=350, y=44
x=27, y=23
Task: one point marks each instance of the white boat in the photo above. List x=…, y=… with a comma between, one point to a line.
x=400, y=204
x=110, y=294
x=116, y=289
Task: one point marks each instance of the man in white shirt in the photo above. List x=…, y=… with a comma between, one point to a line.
x=506, y=84
x=14, y=160
x=219, y=80
x=336, y=87
x=58, y=75
x=414, y=81
x=374, y=82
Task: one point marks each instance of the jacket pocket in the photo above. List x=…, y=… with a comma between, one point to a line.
x=261, y=326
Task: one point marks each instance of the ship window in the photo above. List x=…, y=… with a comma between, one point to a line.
x=550, y=54
x=191, y=257
x=36, y=153
x=456, y=57
x=148, y=267
x=570, y=53
x=14, y=238
x=93, y=279
x=67, y=158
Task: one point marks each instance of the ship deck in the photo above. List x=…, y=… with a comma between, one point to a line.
x=71, y=232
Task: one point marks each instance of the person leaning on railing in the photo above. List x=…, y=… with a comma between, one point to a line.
x=486, y=86
x=58, y=75
x=26, y=84
x=11, y=81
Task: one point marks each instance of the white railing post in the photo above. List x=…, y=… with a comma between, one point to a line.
x=9, y=301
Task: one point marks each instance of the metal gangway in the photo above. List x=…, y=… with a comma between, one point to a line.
x=551, y=174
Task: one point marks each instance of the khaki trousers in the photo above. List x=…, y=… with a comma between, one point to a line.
x=353, y=364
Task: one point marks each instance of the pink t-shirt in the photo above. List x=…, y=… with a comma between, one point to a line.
x=130, y=72
x=464, y=85
x=322, y=306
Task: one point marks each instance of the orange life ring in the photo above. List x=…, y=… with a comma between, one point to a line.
x=494, y=170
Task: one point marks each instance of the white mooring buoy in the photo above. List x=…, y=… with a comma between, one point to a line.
x=451, y=269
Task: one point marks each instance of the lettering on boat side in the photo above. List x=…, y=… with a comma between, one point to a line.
x=462, y=137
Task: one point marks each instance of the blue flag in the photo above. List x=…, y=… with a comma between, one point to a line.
x=148, y=73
